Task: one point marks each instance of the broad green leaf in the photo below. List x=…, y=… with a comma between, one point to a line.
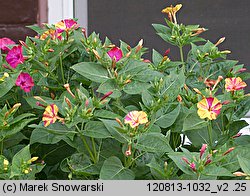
x=80, y=164
x=157, y=169
x=113, y=128
x=156, y=57
x=113, y=169
x=153, y=142
x=213, y=170
x=147, y=98
x=18, y=159
x=96, y=129
x=110, y=85
x=193, y=122
x=93, y=71
x=7, y=84
x=244, y=164
x=106, y=114
x=135, y=87
x=168, y=119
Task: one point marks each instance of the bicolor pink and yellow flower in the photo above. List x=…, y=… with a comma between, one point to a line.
x=234, y=84
x=135, y=118
x=52, y=33
x=15, y=56
x=50, y=115
x=209, y=108
x=66, y=25
x=25, y=81
x=115, y=53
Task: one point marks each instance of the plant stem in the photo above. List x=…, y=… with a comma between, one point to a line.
x=94, y=148
x=62, y=72
x=2, y=147
x=182, y=57
x=86, y=144
x=210, y=134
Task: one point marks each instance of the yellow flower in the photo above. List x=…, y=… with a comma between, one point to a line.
x=171, y=11
x=209, y=108
x=135, y=118
x=234, y=84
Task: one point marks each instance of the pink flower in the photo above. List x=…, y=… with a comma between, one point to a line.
x=15, y=56
x=25, y=81
x=115, y=53
x=4, y=42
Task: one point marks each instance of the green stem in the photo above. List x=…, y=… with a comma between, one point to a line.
x=94, y=148
x=86, y=144
x=182, y=57
x=2, y=147
x=62, y=72
x=210, y=134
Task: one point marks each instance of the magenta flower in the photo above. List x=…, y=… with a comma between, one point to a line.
x=66, y=25
x=203, y=149
x=25, y=81
x=115, y=53
x=4, y=42
x=15, y=56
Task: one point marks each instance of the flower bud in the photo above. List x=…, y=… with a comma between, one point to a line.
x=203, y=149
x=193, y=167
x=239, y=174
x=228, y=151
x=119, y=122
x=186, y=160
x=68, y=102
x=167, y=52
x=68, y=89
x=220, y=41
x=106, y=95
x=96, y=54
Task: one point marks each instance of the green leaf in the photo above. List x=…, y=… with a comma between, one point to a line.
x=214, y=170
x=110, y=85
x=168, y=119
x=106, y=114
x=53, y=133
x=177, y=158
x=15, y=128
x=156, y=57
x=80, y=164
x=136, y=87
x=96, y=129
x=172, y=85
x=7, y=84
x=153, y=142
x=113, y=128
x=193, y=122
x=157, y=169
x=93, y=71
x=244, y=164
x=18, y=159
x=147, y=98
x=113, y=169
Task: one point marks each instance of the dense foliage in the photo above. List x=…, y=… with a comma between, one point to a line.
x=74, y=107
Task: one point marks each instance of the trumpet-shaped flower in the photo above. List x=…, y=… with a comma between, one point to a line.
x=15, y=56
x=66, y=25
x=52, y=33
x=115, y=53
x=209, y=108
x=234, y=84
x=171, y=11
x=135, y=118
x=5, y=42
x=50, y=115
x=25, y=81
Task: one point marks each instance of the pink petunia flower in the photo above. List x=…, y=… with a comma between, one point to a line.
x=25, y=81
x=15, y=56
x=234, y=84
x=115, y=53
x=5, y=42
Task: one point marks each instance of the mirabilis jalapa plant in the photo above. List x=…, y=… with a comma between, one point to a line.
x=87, y=109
